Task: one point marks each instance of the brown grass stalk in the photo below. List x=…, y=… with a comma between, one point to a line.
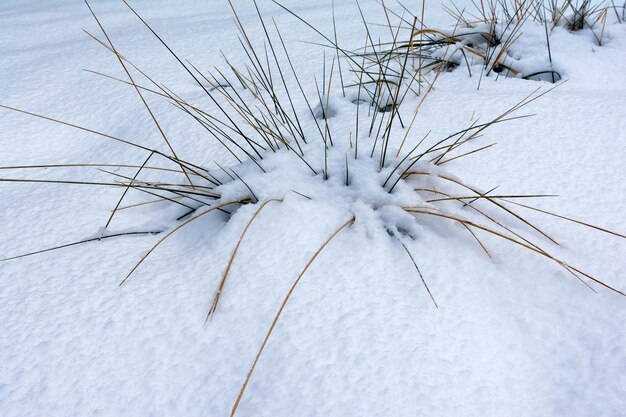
x=280, y=311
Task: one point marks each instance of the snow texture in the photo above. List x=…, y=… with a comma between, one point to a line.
x=514, y=335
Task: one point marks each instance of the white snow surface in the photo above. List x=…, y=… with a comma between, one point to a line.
x=514, y=335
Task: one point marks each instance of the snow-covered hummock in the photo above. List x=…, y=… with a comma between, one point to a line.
x=514, y=335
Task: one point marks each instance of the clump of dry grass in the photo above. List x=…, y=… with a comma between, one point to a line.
x=486, y=39
x=263, y=116
x=486, y=34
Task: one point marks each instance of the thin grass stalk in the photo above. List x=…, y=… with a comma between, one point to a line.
x=343, y=91
x=107, y=136
x=430, y=294
x=126, y=190
x=218, y=292
x=177, y=228
x=295, y=75
x=195, y=79
x=566, y=218
x=486, y=216
x=394, y=107
x=132, y=81
x=358, y=105
x=499, y=205
x=522, y=244
x=99, y=238
x=280, y=311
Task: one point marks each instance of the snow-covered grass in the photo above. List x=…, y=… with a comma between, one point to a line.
x=290, y=186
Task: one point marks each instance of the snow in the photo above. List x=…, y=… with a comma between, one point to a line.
x=513, y=335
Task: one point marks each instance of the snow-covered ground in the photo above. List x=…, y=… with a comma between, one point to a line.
x=514, y=335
